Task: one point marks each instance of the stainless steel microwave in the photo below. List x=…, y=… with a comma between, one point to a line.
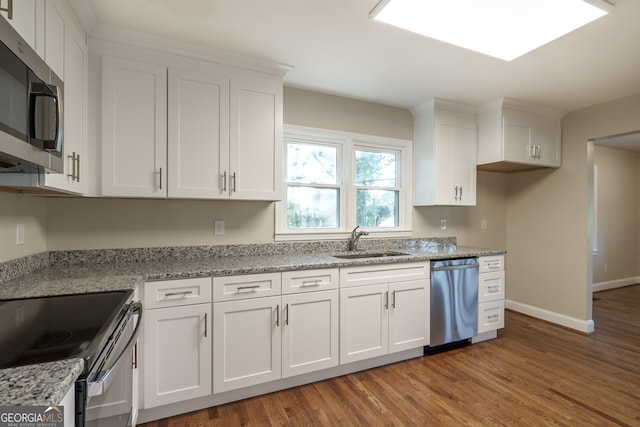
x=31, y=121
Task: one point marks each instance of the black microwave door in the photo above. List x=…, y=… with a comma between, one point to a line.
x=14, y=87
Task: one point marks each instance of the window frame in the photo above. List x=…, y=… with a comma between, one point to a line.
x=347, y=144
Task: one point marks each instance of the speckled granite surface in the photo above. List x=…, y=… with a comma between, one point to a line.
x=41, y=384
x=67, y=272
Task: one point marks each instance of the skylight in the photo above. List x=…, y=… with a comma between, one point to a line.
x=505, y=29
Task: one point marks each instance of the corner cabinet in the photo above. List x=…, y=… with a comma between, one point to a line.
x=169, y=132
x=444, y=154
x=516, y=136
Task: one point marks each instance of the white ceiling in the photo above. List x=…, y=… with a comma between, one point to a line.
x=334, y=47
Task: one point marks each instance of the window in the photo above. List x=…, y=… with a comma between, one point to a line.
x=335, y=181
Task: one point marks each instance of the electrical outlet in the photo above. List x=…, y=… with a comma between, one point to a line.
x=443, y=224
x=218, y=227
x=483, y=224
x=606, y=268
x=20, y=234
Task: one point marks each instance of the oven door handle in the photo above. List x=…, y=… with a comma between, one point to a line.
x=103, y=382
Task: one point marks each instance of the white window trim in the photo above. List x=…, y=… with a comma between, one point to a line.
x=349, y=142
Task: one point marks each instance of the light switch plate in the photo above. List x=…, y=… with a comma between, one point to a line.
x=443, y=224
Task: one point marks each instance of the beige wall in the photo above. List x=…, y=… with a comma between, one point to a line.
x=312, y=109
x=549, y=261
x=83, y=223
x=617, y=225
x=18, y=209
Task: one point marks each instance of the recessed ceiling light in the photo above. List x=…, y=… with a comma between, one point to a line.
x=505, y=29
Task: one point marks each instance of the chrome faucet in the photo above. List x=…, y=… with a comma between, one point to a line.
x=355, y=236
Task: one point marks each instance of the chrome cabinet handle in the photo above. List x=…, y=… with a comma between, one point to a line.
x=8, y=9
x=311, y=283
x=160, y=178
x=224, y=182
x=460, y=199
x=78, y=168
x=233, y=177
x=393, y=299
x=286, y=312
x=278, y=315
x=73, y=166
x=172, y=294
x=205, y=325
x=386, y=300
x=243, y=288
x=456, y=196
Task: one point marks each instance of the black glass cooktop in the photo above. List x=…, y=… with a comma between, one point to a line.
x=46, y=329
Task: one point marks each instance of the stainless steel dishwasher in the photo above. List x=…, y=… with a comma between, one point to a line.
x=454, y=300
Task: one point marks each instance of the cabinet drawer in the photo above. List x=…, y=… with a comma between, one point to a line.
x=490, y=316
x=491, y=263
x=491, y=286
x=384, y=273
x=171, y=293
x=309, y=280
x=232, y=288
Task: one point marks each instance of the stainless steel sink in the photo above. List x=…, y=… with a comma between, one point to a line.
x=358, y=255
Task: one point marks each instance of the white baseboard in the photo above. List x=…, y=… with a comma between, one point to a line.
x=586, y=326
x=613, y=284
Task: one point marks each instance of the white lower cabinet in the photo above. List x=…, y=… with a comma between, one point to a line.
x=246, y=342
x=383, y=309
x=177, y=341
x=491, y=294
x=261, y=339
x=309, y=332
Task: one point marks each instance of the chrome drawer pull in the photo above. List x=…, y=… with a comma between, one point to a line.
x=243, y=288
x=311, y=283
x=173, y=294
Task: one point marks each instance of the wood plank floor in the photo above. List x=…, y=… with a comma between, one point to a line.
x=534, y=374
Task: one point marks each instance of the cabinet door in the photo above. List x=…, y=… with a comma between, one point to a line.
x=134, y=128
x=517, y=139
x=255, y=163
x=177, y=354
x=198, y=135
x=247, y=342
x=364, y=322
x=455, y=159
x=309, y=332
x=23, y=19
x=547, y=140
x=54, y=42
x=408, y=315
x=463, y=168
x=445, y=134
x=74, y=177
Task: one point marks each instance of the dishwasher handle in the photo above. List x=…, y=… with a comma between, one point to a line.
x=455, y=267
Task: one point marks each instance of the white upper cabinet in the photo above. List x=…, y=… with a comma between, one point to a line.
x=256, y=140
x=56, y=23
x=517, y=136
x=23, y=19
x=75, y=61
x=134, y=128
x=217, y=136
x=444, y=154
x=198, y=144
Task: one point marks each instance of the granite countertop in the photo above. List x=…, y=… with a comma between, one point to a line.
x=45, y=384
